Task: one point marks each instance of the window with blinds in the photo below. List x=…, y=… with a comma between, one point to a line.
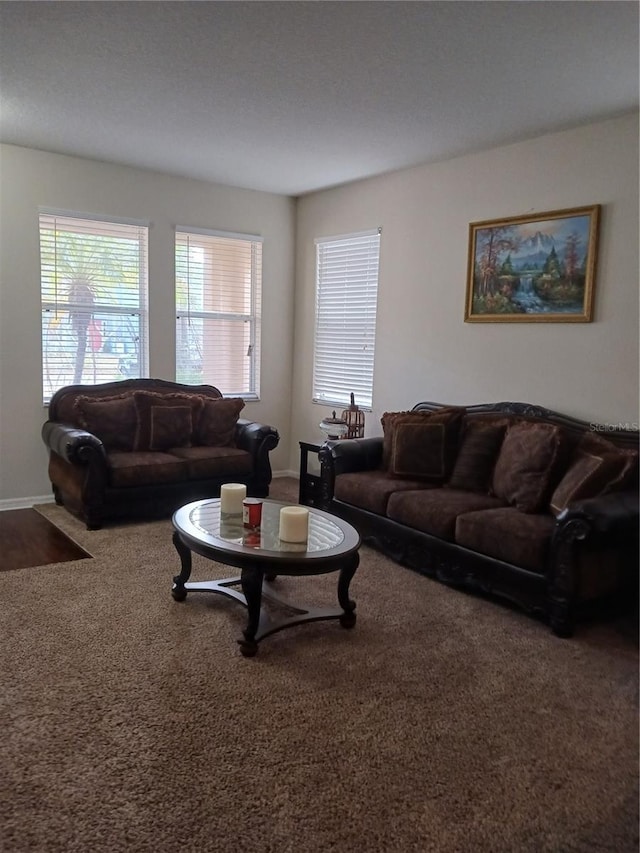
x=218, y=299
x=345, y=331
x=94, y=300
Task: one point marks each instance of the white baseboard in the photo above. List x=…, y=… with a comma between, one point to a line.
x=25, y=503
x=294, y=474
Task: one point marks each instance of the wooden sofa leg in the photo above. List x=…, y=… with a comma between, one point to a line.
x=92, y=521
x=562, y=619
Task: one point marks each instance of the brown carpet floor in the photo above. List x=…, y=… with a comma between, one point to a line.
x=442, y=722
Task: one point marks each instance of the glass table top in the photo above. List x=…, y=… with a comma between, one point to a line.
x=203, y=521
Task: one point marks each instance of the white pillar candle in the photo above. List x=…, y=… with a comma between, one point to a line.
x=231, y=497
x=294, y=524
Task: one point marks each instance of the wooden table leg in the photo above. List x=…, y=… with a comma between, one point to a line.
x=251, y=582
x=178, y=592
x=348, y=618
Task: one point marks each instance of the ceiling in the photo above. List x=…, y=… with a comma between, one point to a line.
x=292, y=97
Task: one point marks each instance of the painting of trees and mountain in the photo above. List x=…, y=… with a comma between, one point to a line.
x=533, y=268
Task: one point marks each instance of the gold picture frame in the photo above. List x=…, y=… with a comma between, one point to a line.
x=536, y=268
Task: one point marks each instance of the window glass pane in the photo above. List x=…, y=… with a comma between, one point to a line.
x=346, y=304
x=94, y=285
x=218, y=293
x=209, y=347
x=81, y=348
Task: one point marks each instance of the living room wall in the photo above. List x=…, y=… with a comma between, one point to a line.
x=34, y=178
x=424, y=349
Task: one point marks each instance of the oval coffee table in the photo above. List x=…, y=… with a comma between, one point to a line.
x=261, y=556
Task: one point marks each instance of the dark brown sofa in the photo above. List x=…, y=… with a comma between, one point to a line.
x=141, y=448
x=506, y=498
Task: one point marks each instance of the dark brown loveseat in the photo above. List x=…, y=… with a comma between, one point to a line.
x=141, y=448
x=507, y=498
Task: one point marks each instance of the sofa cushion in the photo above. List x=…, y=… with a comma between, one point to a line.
x=508, y=534
x=165, y=420
x=477, y=454
x=412, y=444
x=418, y=451
x=216, y=424
x=144, y=468
x=169, y=426
x=370, y=490
x=209, y=462
x=527, y=465
x=111, y=419
x=435, y=511
x=488, y=419
x=628, y=476
x=597, y=467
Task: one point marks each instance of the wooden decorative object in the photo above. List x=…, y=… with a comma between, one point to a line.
x=354, y=419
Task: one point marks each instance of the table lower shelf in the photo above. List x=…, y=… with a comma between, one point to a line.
x=266, y=623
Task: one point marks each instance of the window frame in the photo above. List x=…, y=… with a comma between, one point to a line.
x=253, y=317
x=349, y=248
x=54, y=219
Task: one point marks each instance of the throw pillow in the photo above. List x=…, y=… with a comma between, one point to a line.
x=598, y=467
x=476, y=457
x=527, y=464
x=418, y=451
x=450, y=418
x=111, y=419
x=165, y=420
x=217, y=422
x=628, y=473
x=588, y=476
x=170, y=426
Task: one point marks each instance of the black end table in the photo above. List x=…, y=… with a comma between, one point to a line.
x=310, y=492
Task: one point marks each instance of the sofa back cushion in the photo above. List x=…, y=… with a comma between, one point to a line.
x=62, y=404
x=217, y=421
x=593, y=443
x=111, y=419
x=597, y=467
x=528, y=464
x=418, y=451
x=165, y=420
x=421, y=445
x=479, y=447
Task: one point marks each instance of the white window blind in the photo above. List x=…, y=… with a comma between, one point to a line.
x=218, y=308
x=345, y=332
x=94, y=300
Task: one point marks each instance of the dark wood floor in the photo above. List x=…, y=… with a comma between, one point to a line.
x=29, y=539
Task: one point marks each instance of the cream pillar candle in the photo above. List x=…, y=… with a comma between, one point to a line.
x=231, y=497
x=294, y=524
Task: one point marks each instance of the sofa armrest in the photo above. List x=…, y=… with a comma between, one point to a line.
x=76, y=446
x=617, y=513
x=258, y=440
x=346, y=456
x=608, y=521
x=353, y=454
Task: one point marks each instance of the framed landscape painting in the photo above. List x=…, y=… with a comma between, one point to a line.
x=534, y=268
